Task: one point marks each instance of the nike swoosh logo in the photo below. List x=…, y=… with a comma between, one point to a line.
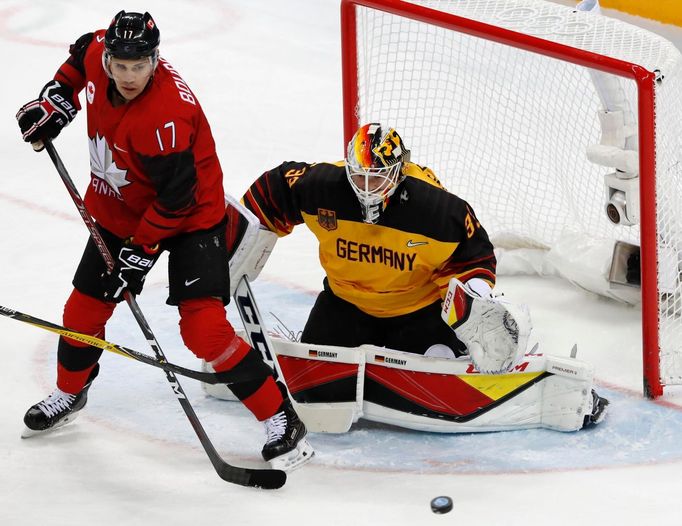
x=100, y=38
x=116, y=146
x=188, y=282
x=411, y=243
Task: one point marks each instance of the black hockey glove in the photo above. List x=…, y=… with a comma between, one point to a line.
x=130, y=270
x=42, y=119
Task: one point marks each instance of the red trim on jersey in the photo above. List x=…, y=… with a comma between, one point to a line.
x=69, y=75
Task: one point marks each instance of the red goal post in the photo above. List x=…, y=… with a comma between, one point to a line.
x=394, y=51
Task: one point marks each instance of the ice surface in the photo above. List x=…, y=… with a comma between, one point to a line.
x=268, y=76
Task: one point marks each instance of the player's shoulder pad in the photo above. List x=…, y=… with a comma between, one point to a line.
x=81, y=45
x=422, y=173
x=80, y=48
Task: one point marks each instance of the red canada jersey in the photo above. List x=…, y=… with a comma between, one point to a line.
x=154, y=168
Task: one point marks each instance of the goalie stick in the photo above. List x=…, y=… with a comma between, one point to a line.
x=227, y=377
x=260, y=478
x=321, y=419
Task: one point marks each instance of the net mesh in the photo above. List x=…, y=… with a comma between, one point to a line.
x=508, y=129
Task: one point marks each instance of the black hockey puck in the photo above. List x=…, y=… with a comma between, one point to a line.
x=441, y=504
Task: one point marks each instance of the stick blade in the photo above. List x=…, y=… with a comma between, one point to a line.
x=254, y=478
x=268, y=478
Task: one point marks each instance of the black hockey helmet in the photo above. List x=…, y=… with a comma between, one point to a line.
x=132, y=35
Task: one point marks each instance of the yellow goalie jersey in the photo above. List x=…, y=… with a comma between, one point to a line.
x=425, y=236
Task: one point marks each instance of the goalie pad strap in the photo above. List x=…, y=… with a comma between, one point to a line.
x=456, y=307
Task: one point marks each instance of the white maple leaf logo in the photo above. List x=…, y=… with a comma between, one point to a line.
x=103, y=166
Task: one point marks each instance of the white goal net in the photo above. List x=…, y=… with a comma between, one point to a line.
x=505, y=100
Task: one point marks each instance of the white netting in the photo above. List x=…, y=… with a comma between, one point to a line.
x=669, y=224
x=508, y=129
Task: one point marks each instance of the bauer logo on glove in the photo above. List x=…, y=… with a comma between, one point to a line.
x=494, y=331
x=43, y=118
x=130, y=270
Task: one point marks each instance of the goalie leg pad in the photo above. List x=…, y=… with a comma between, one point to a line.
x=324, y=415
x=447, y=396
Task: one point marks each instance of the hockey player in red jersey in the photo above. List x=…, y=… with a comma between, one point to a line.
x=156, y=184
x=401, y=255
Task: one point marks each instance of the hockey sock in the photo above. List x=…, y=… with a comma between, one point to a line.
x=261, y=396
x=76, y=360
x=207, y=333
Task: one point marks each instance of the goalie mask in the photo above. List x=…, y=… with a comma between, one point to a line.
x=374, y=167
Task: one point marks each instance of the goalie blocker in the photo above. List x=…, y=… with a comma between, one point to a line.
x=249, y=244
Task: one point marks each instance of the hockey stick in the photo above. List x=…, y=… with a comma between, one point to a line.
x=327, y=419
x=260, y=478
x=227, y=377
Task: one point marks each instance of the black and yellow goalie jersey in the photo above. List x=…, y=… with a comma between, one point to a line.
x=426, y=235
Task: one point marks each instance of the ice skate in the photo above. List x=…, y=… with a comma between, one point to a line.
x=598, y=411
x=286, y=447
x=57, y=409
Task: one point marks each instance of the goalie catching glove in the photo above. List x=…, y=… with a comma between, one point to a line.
x=494, y=331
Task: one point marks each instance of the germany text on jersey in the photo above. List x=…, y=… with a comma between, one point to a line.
x=426, y=235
